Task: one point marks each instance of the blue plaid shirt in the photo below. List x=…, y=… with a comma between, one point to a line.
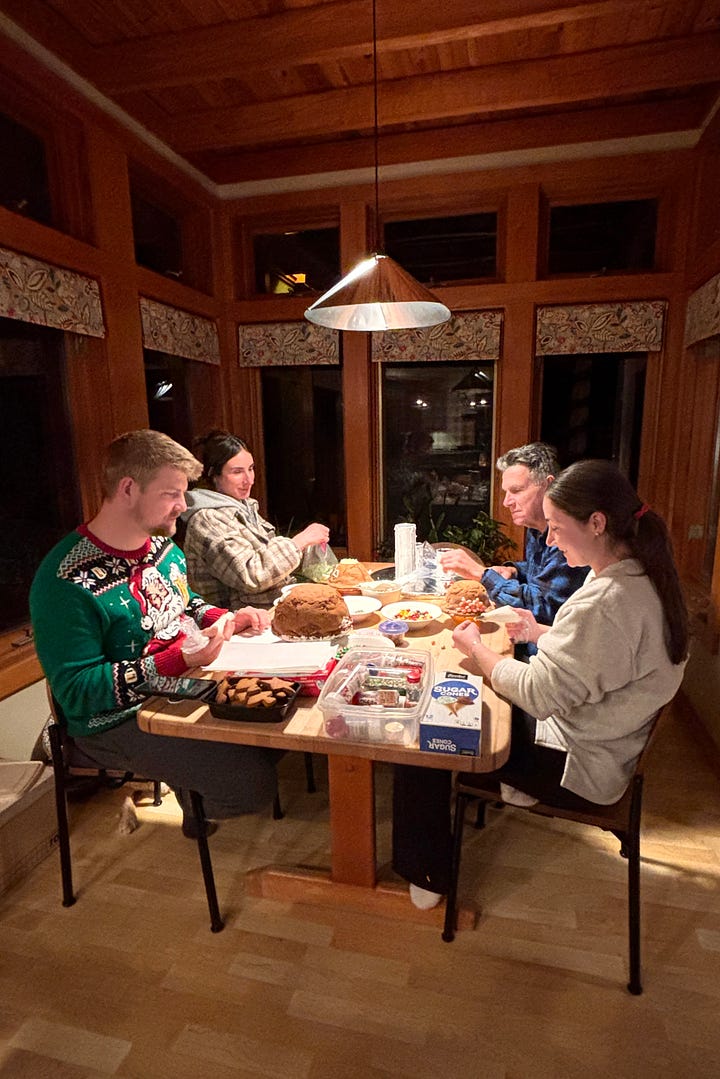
x=544, y=581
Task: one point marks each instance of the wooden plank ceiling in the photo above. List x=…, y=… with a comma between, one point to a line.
x=255, y=89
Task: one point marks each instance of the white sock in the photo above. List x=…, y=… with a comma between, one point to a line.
x=515, y=797
x=424, y=899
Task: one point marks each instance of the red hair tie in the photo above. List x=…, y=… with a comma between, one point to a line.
x=641, y=512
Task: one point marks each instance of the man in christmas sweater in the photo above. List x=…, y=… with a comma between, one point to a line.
x=111, y=607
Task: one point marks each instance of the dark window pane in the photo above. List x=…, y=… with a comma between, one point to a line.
x=592, y=407
x=295, y=262
x=158, y=237
x=40, y=500
x=439, y=249
x=24, y=185
x=603, y=237
x=304, y=458
x=437, y=445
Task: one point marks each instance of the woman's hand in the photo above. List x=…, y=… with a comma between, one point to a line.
x=525, y=629
x=314, y=533
x=251, y=620
x=466, y=637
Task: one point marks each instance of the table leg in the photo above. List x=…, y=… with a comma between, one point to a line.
x=352, y=820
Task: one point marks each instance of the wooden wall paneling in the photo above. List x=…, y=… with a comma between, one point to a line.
x=705, y=234
x=600, y=178
x=205, y=397
x=702, y=379
x=156, y=286
x=646, y=286
x=89, y=389
x=67, y=167
x=514, y=420
x=39, y=241
x=667, y=418
x=360, y=432
x=108, y=172
x=705, y=237
x=247, y=423
x=521, y=233
x=241, y=387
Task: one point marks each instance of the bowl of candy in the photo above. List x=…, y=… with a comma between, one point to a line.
x=417, y=615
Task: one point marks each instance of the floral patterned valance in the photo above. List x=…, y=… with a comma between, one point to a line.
x=168, y=329
x=702, y=319
x=47, y=295
x=633, y=326
x=278, y=344
x=474, y=335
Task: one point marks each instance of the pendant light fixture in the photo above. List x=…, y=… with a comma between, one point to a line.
x=377, y=294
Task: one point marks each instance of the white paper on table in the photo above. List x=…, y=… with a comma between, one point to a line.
x=267, y=653
x=501, y=615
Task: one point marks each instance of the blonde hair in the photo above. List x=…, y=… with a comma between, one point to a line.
x=140, y=455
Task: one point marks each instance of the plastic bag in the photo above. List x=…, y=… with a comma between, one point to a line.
x=428, y=578
x=317, y=564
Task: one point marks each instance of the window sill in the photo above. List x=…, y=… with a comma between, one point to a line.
x=19, y=665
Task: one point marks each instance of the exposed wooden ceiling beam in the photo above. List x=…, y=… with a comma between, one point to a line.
x=315, y=35
x=494, y=136
x=550, y=82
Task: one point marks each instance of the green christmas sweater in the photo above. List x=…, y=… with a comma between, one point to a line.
x=105, y=620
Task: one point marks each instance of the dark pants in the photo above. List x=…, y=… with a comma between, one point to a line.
x=231, y=779
x=422, y=796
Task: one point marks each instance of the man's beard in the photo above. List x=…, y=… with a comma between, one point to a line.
x=167, y=530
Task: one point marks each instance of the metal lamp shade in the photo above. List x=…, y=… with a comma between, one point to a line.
x=377, y=294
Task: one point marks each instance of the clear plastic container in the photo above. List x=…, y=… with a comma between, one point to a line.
x=366, y=697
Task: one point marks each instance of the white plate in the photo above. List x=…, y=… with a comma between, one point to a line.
x=361, y=607
x=429, y=610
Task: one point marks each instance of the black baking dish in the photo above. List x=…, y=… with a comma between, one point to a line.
x=244, y=714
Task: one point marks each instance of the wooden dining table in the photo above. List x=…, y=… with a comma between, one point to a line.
x=352, y=877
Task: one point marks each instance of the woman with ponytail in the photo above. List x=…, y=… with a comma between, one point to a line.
x=614, y=655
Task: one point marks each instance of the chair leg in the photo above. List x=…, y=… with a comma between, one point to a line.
x=157, y=792
x=448, y=933
x=632, y=843
x=216, y=922
x=480, y=815
x=278, y=813
x=310, y=773
x=62, y=820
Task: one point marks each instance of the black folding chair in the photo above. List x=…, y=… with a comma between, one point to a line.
x=75, y=773
x=623, y=819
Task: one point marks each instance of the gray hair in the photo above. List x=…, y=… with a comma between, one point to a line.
x=538, y=457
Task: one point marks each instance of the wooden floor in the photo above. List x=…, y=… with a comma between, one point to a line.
x=130, y=982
